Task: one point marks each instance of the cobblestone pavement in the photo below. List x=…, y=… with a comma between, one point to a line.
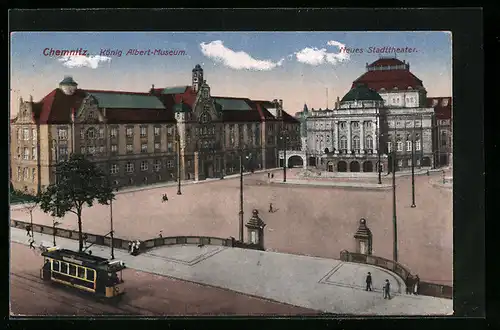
x=316, y=221
x=147, y=294
x=315, y=283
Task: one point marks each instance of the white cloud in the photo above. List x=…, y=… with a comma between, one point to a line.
x=236, y=60
x=316, y=56
x=79, y=61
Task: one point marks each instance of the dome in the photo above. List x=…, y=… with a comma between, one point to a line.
x=68, y=80
x=68, y=85
x=362, y=93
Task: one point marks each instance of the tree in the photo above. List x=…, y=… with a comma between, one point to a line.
x=79, y=182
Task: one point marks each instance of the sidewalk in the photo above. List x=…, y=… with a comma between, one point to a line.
x=345, y=184
x=321, y=284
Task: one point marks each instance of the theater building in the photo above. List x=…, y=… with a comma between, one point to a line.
x=139, y=138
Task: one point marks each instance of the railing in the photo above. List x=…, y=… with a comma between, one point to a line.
x=425, y=289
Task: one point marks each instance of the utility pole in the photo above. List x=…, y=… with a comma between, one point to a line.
x=394, y=216
x=413, y=167
x=241, y=197
x=379, y=166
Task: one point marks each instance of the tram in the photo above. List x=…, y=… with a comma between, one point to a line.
x=92, y=274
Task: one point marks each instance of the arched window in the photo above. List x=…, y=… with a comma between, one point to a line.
x=91, y=133
x=408, y=145
x=369, y=142
x=355, y=143
x=343, y=143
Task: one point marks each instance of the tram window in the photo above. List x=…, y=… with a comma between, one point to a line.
x=64, y=268
x=81, y=272
x=55, y=265
x=90, y=274
x=72, y=270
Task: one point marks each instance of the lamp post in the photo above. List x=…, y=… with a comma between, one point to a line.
x=178, y=164
x=394, y=216
x=241, y=197
x=444, y=177
x=54, y=225
x=54, y=222
x=112, y=232
x=413, y=170
x=379, y=166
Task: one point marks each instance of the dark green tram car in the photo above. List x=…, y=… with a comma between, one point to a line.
x=99, y=276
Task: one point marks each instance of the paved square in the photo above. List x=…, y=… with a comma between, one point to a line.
x=188, y=255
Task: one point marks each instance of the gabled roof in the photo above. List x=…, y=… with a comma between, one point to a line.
x=174, y=90
x=126, y=100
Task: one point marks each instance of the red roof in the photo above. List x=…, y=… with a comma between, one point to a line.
x=388, y=79
x=386, y=62
x=441, y=105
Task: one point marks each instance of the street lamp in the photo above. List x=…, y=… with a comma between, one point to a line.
x=285, y=138
x=394, y=216
x=379, y=166
x=112, y=232
x=241, y=197
x=178, y=164
x=444, y=177
x=54, y=225
x=54, y=221
x=413, y=171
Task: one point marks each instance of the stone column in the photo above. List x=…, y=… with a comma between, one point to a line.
x=375, y=135
x=362, y=135
x=348, y=136
x=336, y=135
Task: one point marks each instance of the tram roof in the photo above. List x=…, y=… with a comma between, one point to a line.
x=83, y=258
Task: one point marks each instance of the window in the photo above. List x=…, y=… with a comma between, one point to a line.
x=33, y=134
x=355, y=124
x=368, y=124
x=144, y=147
x=56, y=266
x=343, y=143
x=355, y=142
x=129, y=132
x=101, y=133
x=33, y=153
x=130, y=148
x=19, y=134
x=400, y=145
x=418, y=145
x=418, y=161
x=144, y=131
x=91, y=134
x=409, y=161
x=114, y=169
x=19, y=174
x=328, y=138
x=80, y=272
x=102, y=149
x=92, y=150
x=113, y=132
x=400, y=162
x=33, y=174
x=157, y=146
x=64, y=268
x=90, y=274
x=444, y=139
x=170, y=147
x=26, y=153
x=144, y=165
x=62, y=133
x=342, y=124
x=369, y=142
x=389, y=146
x=83, y=150
x=25, y=173
x=114, y=148
x=408, y=145
x=63, y=152
x=129, y=167
x=72, y=270
x=157, y=131
x=170, y=130
x=26, y=134
x=157, y=165
x=170, y=163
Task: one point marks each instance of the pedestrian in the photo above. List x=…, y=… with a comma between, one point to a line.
x=387, y=290
x=427, y=172
x=416, y=285
x=28, y=230
x=164, y=198
x=129, y=247
x=268, y=175
x=409, y=283
x=271, y=208
x=160, y=235
x=272, y=175
x=32, y=242
x=369, y=282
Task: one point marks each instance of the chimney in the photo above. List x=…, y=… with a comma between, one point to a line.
x=281, y=104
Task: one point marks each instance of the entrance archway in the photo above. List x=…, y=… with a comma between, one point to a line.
x=367, y=166
x=295, y=161
x=354, y=166
x=341, y=166
x=330, y=167
x=426, y=161
x=312, y=161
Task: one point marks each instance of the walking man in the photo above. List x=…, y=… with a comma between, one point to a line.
x=369, y=282
x=28, y=230
x=409, y=284
x=268, y=175
x=271, y=208
x=129, y=247
x=164, y=198
x=416, y=285
x=387, y=290
x=272, y=175
x=32, y=242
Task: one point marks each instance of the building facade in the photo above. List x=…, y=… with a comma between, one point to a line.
x=140, y=138
x=443, y=130
x=385, y=113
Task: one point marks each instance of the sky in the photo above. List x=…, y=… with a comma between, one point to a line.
x=298, y=67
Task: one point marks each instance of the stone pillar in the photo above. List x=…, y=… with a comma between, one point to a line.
x=363, y=238
x=336, y=135
x=255, y=229
x=349, y=137
x=362, y=136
